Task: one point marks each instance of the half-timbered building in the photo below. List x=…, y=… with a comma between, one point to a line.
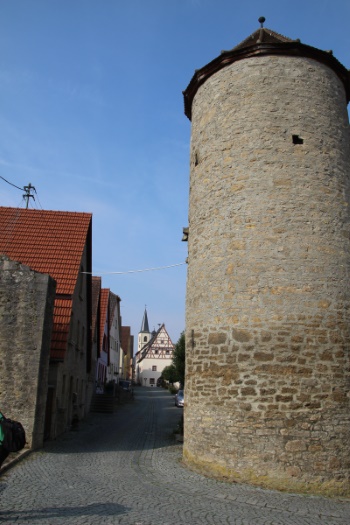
x=154, y=356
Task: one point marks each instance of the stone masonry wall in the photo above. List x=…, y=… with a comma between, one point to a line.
x=267, y=320
x=26, y=315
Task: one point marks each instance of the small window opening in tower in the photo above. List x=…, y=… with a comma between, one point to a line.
x=196, y=159
x=297, y=139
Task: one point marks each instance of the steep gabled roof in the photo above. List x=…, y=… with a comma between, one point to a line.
x=141, y=354
x=49, y=242
x=263, y=42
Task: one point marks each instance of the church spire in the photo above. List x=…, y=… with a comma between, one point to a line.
x=144, y=334
x=144, y=325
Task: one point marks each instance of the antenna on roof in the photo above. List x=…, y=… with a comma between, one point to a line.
x=28, y=194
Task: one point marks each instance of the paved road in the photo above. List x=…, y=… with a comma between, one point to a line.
x=126, y=469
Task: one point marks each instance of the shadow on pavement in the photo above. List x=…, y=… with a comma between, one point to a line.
x=148, y=422
x=94, y=509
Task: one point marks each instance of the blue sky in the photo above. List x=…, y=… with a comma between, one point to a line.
x=92, y=115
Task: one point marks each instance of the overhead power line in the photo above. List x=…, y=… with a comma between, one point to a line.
x=14, y=185
x=138, y=271
x=27, y=189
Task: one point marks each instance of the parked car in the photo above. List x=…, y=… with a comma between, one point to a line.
x=125, y=385
x=179, y=398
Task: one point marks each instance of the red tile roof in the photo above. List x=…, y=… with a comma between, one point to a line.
x=96, y=290
x=103, y=314
x=125, y=338
x=49, y=242
x=59, y=339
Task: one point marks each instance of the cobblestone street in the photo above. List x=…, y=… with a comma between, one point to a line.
x=126, y=469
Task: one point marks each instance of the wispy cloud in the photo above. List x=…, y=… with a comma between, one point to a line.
x=87, y=93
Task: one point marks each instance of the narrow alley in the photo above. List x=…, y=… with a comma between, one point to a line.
x=126, y=469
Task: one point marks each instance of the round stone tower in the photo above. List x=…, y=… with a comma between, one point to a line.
x=268, y=290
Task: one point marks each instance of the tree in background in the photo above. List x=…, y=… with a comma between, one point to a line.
x=179, y=359
x=169, y=374
x=176, y=371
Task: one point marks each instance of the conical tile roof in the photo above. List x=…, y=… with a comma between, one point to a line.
x=263, y=35
x=263, y=42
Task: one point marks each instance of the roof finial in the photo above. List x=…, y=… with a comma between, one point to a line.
x=261, y=21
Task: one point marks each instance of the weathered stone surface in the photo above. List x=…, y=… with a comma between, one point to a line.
x=26, y=317
x=269, y=260
x=216, y=338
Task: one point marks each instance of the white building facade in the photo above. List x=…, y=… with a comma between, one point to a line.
x=155, y=352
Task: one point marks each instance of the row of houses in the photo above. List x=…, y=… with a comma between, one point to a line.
x=61, y=333
x=113, y=341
